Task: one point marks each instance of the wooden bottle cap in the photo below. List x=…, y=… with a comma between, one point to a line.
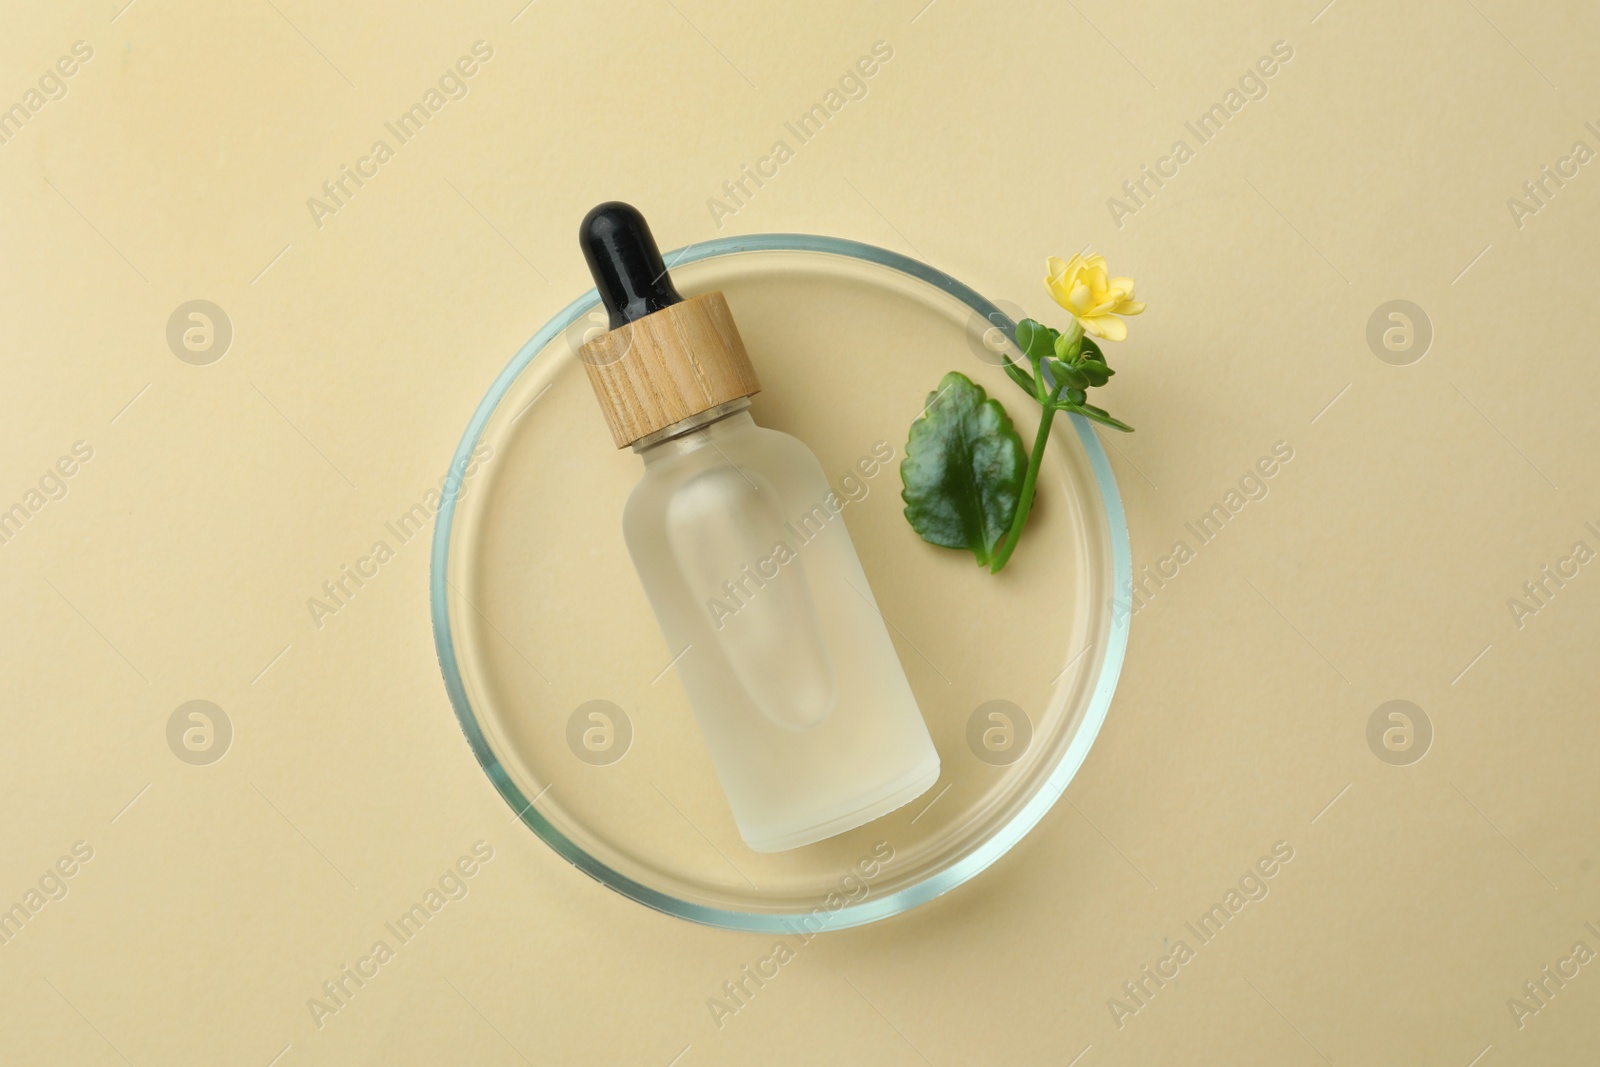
x=668, y=366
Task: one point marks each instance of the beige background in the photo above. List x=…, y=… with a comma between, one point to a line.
x=1422, y=497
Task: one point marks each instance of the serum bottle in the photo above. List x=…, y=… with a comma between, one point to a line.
x=740, y=547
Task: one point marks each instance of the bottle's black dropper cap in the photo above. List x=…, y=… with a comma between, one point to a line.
x=626, y=264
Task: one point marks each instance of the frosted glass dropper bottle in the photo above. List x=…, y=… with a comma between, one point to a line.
x=745, y=558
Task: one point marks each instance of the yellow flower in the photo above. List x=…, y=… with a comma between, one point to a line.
x=1080, y=285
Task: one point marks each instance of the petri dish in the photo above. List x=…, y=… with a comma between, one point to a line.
x=564, y=687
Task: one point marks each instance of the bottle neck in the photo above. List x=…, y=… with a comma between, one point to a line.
x=693, y=433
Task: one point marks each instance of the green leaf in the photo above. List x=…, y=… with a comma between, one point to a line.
x=1036, y=340
x=1095, y=372
x=1103, y=416
x=1023, y=379
x=1074, y=377
x=1091, y=349
x=963, y=469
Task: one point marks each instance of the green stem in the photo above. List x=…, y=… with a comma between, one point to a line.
x=1008, y=544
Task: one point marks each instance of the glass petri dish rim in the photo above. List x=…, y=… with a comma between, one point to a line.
x=866, y=911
